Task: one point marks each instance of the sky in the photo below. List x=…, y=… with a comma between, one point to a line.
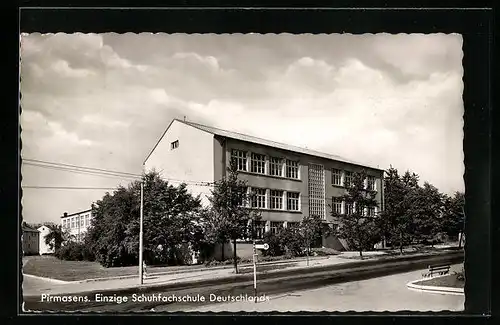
x=103, y=100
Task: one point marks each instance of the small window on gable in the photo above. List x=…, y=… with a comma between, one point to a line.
x=174, y=145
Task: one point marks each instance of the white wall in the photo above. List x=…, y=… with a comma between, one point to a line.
x=44, y=248
x=192, y=161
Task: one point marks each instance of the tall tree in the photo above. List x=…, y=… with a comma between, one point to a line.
x=56, y=236
x=230, y=212
x=426, y=211
x=399, y=194
x=358, y=224
x=170, y=219
x=454, y=216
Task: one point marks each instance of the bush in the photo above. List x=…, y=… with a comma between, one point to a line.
x=324, y=251
x=214, y=262
x=73, y=251
x=287, y=242
x=275, y=245
x=460, y=275
x=291, y=242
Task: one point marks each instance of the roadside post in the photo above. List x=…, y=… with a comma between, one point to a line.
x=255, y=255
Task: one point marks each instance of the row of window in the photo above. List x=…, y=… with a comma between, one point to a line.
x=340, y=206
x=257, y=163
x=275, y=227
x=344, y=178
x=275, y=199
x=76, y=222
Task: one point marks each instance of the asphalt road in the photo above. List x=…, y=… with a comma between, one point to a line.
x=271, y=286
x=387, y=293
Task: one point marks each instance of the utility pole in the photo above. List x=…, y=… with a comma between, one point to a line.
x=141, y=234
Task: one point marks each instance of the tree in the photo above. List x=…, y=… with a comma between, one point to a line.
x=230, y=213
x=358, y=223
x=310, y=227
x=399, y=194
x=454, y=216
x=170, y=222
x=426, y=211
x=56, y=237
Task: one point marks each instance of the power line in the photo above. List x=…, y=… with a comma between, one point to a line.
x=102, y=172
x=81, y=167
x=81, y=172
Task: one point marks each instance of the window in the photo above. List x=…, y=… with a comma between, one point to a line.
x=337, y=205
x=276, y=226
x=258, y=163
x=81, y=221
x=174, y=145
x=336, y=177
x=276, y=198
x=360, y=210
x=370, y=183
x=370, y=211
x=292, y=224
x=292, y=201
x=276, y=166
x=260, y=228
x=259, y=198
x=72, y=222
x=348, y=179
x=241, y=159
x=316, y=176
x=64, y=223
x=87, y=220
x=292, y=169
x=349, y=208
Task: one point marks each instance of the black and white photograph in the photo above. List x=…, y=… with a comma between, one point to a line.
x=175, y=172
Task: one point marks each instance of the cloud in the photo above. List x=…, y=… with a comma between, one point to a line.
x=57, y=133
x=208, y=61
x=63, y=69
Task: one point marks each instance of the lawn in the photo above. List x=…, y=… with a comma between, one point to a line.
x=449, y=280
x=51, y=267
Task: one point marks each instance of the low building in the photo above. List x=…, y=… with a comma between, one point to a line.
x=43, y=247
x=289, y=182
x=77, y=224
x=30, y=238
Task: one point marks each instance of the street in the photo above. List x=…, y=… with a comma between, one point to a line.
x=387, y=293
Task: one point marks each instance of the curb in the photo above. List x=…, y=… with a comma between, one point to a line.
x=47, y=279
x=435, y=289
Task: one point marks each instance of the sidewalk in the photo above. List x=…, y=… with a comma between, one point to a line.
x=36, y=286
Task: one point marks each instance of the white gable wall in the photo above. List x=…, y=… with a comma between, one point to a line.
x=44, y=248
x=191, y=161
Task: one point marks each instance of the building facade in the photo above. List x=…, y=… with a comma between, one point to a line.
x=43, y=247
x=289, y=182
x=77, y=224
x=30, y=240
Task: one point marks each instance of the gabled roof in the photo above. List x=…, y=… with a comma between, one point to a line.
x=29, y=229
x=269, y=143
